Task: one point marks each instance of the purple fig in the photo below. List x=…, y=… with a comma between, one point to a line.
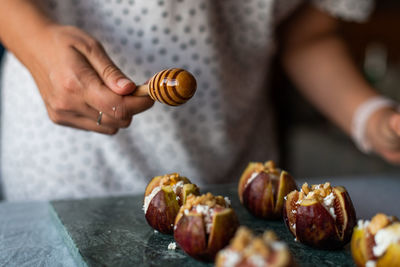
x=204, y=225
x=262, y=188
x=163, y=197
x=321, y=216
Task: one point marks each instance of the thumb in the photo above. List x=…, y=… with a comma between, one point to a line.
x=394, y=123
x=111, y=75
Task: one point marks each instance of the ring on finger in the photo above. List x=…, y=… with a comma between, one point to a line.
x=99, y=118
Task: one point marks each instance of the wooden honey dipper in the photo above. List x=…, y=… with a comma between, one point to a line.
x=171, y=86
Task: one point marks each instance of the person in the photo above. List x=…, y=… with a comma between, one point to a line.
x=70, y=61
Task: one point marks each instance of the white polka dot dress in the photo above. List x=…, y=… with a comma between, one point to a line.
x=227, y=45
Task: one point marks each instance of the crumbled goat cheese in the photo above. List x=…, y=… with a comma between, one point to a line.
x=278, y=245
x=186, y=211
x=172, y=246
x=155, y=231
x=257, y=261
x=227, y=201
x=383, y=239
x=148, y=199
x=328, y=204
x=231, y=258
x=294, y=211
x=175, y=186
x=328, y=200
x=177, y=198
x=332, y=212
x=252, y=177
x=370, y=263
x=208, y=214
x=362, y=224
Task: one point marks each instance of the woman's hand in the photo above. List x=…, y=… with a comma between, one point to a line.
x=77, y=80
x=383, y=132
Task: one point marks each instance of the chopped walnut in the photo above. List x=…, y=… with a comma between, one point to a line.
x=172, y=179
x=249, y=245
x=378, y=222
x=315, y=192
x=268, y=167
x=242, y=239
x=207, y=199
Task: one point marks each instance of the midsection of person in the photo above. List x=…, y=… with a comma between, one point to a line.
x=209, y=139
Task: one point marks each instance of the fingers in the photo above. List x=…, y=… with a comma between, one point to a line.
x=391, y=156
x=97, y=94
x=100, y=98
x=87, y=119
x=106, y=120
x=86, y=83
x=81, y=122
x=394, y=123
x=110, y=74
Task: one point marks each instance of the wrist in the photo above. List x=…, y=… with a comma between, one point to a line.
x=22, y=25
x=370, y=125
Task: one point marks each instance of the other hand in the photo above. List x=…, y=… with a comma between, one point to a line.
x=383, y=132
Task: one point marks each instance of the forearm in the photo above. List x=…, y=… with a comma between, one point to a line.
x=21, y=22
x=322, y=69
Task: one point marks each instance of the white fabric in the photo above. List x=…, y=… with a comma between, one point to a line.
x=347, y=9
x=226, y=44
x=361, y=117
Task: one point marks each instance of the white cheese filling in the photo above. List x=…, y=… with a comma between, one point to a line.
x=148, y=198
x=257, y=261
x=177, y=185
x=227, y=201
x=208, y=215
x=327, y=202
x=279, y=245
x=370, y=263
x=157, y=189
x=361, y=224
x=383, y=239
x=255, y=174
x=231, y=258
x=252, y=177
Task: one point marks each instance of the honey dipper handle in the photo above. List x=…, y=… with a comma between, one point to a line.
x=141, y=90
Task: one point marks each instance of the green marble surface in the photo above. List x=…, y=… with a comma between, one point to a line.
x=114, y=232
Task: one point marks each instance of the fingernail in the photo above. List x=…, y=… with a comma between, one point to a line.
x=123, y=82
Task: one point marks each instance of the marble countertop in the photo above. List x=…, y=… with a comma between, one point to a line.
x=29, y=236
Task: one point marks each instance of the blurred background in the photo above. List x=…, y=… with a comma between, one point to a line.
x=311, y=145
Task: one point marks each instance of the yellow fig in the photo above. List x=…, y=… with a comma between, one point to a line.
x=376, y=243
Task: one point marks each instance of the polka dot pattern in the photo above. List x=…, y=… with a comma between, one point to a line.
x=227, y=45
